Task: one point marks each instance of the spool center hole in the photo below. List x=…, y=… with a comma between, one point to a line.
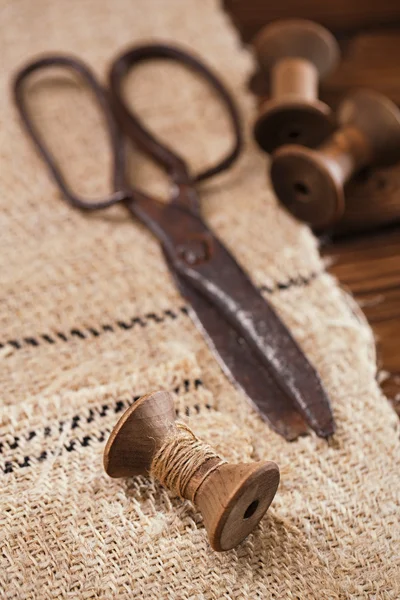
x=293, y=135
x=251, y=509
x=301, y=190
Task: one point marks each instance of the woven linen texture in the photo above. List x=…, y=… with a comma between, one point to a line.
x=90, y=319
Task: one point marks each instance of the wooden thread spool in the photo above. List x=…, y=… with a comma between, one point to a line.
x=231, y=498
x=310, y=183
x=296, y=53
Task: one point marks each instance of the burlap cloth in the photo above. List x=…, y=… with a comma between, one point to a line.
x=90, y=319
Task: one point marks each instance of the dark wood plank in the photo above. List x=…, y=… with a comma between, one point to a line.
x=367, y=264
x=369, y=267
x=341, y=15
x=381, y=305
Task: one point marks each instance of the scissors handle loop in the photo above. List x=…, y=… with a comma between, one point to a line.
x=73, y=64
x=133, y=126
x=116, y=113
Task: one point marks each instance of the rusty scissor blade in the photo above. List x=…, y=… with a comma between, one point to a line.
x=223, y=283
x=242, y=367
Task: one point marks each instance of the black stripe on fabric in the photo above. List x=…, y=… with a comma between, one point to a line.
x=84, y=333
x=299, y=281
x=76, y=421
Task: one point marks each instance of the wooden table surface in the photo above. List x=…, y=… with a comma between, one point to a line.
x=368, y=264
x=369, y=267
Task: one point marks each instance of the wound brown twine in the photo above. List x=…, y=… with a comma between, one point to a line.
x=178, y=459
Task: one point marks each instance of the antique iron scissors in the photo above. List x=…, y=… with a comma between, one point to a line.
x=253, y=346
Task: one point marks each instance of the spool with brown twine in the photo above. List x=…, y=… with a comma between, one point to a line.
x=231, y=498
x=178, y=459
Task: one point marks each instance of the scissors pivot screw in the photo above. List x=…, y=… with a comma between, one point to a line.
x=295, y=53
x=310, y=182
x=232, y=498
x=194, y=252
